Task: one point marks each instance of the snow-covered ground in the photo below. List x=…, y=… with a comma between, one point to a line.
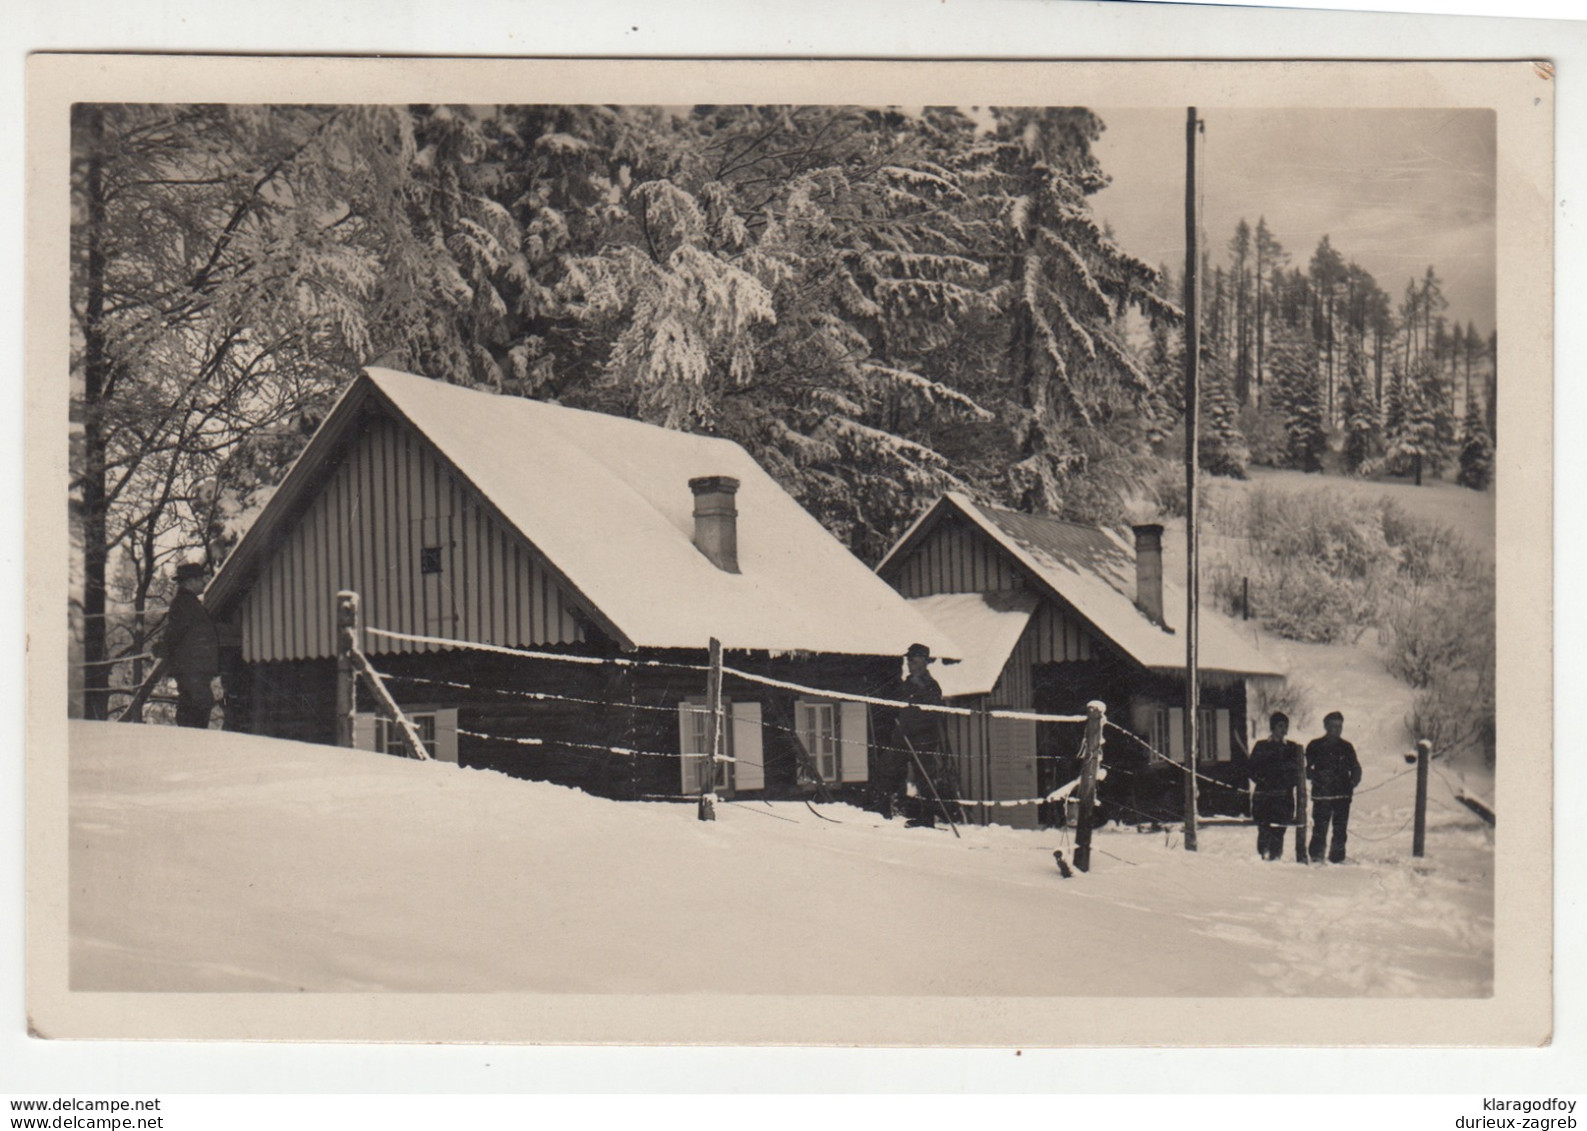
x=213, y=861
x=1469, y=513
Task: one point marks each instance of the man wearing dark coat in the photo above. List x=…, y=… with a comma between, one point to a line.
x=920, y=730
x=191, y=648
x=1275, y=770
x=1334, y=771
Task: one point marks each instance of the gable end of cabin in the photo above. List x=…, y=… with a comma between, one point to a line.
x=389, y=518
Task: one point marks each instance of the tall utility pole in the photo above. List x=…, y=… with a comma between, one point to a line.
x=1192, y=570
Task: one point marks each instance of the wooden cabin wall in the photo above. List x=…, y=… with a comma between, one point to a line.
x=294, y=700
x=586, y=706
x=386, y=499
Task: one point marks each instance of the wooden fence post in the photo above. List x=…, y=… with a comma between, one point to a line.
x=713, y=704
x=1424, y=755
x=347, y=633
x=1090, y=757
x=1302, y=808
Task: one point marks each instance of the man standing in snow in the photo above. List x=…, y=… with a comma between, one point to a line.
x=1275, y=773
x=1334, y=770
x=917, y=730
x=191, y=648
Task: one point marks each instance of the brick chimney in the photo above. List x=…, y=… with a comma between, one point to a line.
x=1149, y=571
x=716, y=520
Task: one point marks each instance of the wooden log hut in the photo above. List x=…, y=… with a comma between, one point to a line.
x=1050, y=615
x=475, y=527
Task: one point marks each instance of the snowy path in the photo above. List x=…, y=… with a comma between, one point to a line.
x=203, y=861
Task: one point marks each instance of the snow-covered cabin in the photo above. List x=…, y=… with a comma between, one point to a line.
x=516, y=524
x=1050, y=615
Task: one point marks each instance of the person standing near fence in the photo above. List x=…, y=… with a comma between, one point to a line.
x=1334, y=771
x=1275, y=776
x=918, y=730
x=190, y=647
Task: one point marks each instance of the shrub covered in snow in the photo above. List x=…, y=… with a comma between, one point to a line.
x=1324, y=567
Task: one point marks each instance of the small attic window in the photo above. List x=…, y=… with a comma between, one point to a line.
x=430, y=559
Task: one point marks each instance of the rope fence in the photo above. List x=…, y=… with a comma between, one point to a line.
x=525, y=654
x=1059, y=795
x=753, y=677
x=625, y=751
x=763, y=680
x=875, y=701
x=114, y=660
x=544, y=696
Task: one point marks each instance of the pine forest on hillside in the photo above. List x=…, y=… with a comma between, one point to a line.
x=879, y=305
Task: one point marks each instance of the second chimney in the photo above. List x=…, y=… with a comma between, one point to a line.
x=1149, y=571
x=716, y=520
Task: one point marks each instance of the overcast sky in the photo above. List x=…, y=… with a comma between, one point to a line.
x=1394, y=190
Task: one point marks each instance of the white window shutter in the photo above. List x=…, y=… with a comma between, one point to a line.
x=690, y=758
x=1225, y=745
x=364, y=731
x=748, y=772
x=1176, y=733
x=446, y=735
x=853, y=726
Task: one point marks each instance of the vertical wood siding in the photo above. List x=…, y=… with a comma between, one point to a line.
x=364, y=529
x=955, y=558
x=1056, y=636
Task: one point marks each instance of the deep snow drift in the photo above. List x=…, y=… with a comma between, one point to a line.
x=202, y=860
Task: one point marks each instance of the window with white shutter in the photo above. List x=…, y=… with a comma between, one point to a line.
x=437, y=727
x=741, y=727
x=1167, y=732
x=816, y=723
x=694, y=743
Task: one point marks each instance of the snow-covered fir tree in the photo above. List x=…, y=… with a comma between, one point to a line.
x=1220, y=444
x=1076, y=396
x=1358, y=411
x=1299, y=395
x=1393, y=407
x=1476, y=452
x=1414, y=448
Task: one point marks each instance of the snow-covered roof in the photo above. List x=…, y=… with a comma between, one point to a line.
x=986, y=626
x=607, y=501
x=1093, y=571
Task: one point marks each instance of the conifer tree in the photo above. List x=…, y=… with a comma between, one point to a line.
x=1221, y=446
x=1240, y=274
x=1358, y=409
x=1079, y=392
x=1414, y=447
x=1476, y=453
x=1394, y=403
x=1270, y=258
x=1299, y=395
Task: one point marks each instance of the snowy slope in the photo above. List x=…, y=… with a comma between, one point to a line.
x=210, y=861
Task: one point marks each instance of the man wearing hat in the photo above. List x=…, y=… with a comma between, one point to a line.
x=1334, y=771
x=1275, y=772
x=191, y=648
x=917, y=729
